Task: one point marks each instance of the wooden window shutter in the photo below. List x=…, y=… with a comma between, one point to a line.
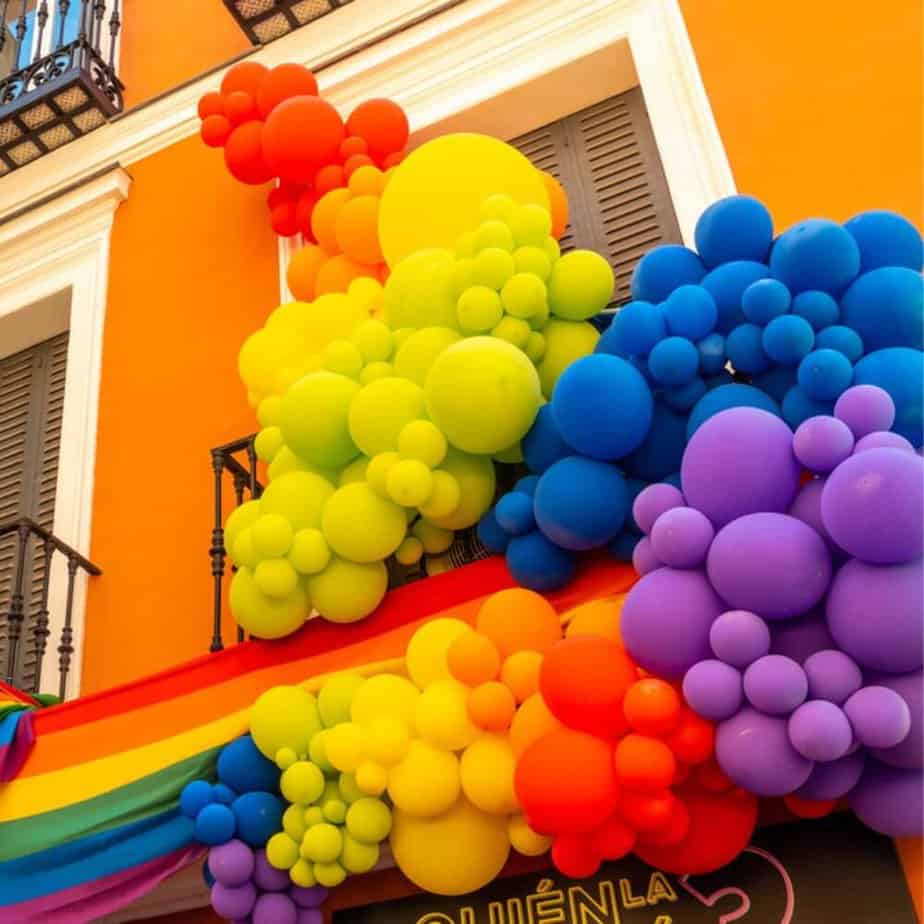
x=31, y=406
x=606, y=159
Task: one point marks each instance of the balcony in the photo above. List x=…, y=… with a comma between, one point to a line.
x=58, y=76
x=265, y=20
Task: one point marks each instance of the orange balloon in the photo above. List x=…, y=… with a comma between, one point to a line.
x=382, y=123
x=356, y=229
x=355, y=162
x=491, y=706
x=240, y=107
x=351, y=145
x=531, y=722
x=283, y=82
x=324, y=218
x=651, y=706
x=337, y=273
x=518, y=620
x=644, y=763
x=211, y=104
x=215, y=129
x=303, y=211
x=300, y=136
x=520, y=674
x=599, y=617
x=244, y=155
x=328, y=178
x=558, y=202
x=473, y=659
x=392, y=160
x=245, y=75
x=383, y=273
x=367, y=181
x=302, y=273
x=693, y=740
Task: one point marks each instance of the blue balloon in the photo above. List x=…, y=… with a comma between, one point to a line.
x=215, y=825
x=242, y=767
x=673, y=361
x=745, y=349
x=725, y=397
x=223, y=794
x=683, y=397
x=843, y=339
x=886, y=239
x=194, y=797
x=635, y=329
x=776, y=382
x=492, y=537
x=514, y=513
x=711, y=354
x=690, y=312
x=799, y=406
x=886, y=308
x=259, y=817
x=543, y=446
x=207, y=876
x=664, y=269
x=622, y=547
x=815, y=254
x=734, y=228
x=640, y=364
x=634, y=486
x=764, y=300
x=602, y=406
x=726, y=284
x=818, y=308
x=825, y=374
x=527, y=484
x=788, y=339
x=539, y=564
x=900, y=371
x=581, y=503
x=662, y=450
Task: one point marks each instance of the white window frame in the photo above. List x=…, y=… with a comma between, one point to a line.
x=64, y=245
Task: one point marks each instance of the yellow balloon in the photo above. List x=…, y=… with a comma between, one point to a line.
x=371, y=778
x=346, y=591
x=526, y=841
x=476, y=478
x=263, y=616
x=385, y=695
x=486, y=770
x=344, y=745
x=299, y=497
x=436, y=193
x=284, y=717
x=456, y=852
x=361, y=526
x=420, y=291
x=598, y=617
x=442, y=716
x=387, y=740
x=565, y=341
x=426, y=651
x=426, y=782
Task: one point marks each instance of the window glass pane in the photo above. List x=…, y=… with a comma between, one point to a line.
x=25, y=51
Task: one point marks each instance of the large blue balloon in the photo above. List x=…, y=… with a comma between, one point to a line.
x=886, y=239
x=745, y=349
x=662, y=450
x=886, y=308
x=581, y=503
x=798, y=406
x=725, y=397
x=602, y=406
x=635, y=329
x=492, y=537
x=259, y=817
x=726, y=284
x=543, y=445
x=538, y=563
x=664, y=269
x=242, y=767
x=734, y=228
x=815, y=254
x=900, y=371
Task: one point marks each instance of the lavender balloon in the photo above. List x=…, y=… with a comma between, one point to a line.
x=309, y=916
x=644, y=559
x=713, y=690
x=738, y=462
x=834, y=779
x=908, y=755
x=233, y=901
x=819, y=730
x=275, y=908
x=822, y=443
x=879, y=716
x=890, y=800
x=775, y=685
x=267, y=877
x=832, y=676
x=739, y=638
x=807, y=508
x=799, y=638
x=232, y=863
x=865, y=409
x=313, y=897
x=883, y=439
x=652, y=501
x=681, y=537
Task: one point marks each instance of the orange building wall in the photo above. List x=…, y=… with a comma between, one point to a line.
x=193, y=272
x=819, y=104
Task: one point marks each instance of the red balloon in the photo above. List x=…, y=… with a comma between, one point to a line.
x=300, y=136
x=573, y=856
x=284, y=219
x=644, y=763
x=215, y=130
x=382, y=123
x=711, y=777
x=673, y=832
x=647, y=811
x=245, y=75
x=720, y=828
x=240, y=107
x=328, y=178
x=355, y=162
x=392, y=160
x=284, y=192
x=693, y=740
x=244, y=154
x=284, y=82
x=809, y=808
x=303, y=209
x=583, y=680
x=351, y=145
x=211, y=104
x=565, y=782
x=614, y=839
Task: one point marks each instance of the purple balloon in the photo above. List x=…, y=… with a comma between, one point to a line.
x=666, y=619
x=874, y=614
x=807, y=508
x=713, y=690
x=231, y=863
x=872, y=504
x=312, y=897
x=309, y=916
x=267, y=877
x=652, y=501
x=834, y=779
x=908, y=755
x=644, y=559
x=274, y=908
x=879, y=716
x=233, y=901
x=865, y=409
x=681, y=537
x=832, y=676
x=882, y=439
x=819, y=730
x=775, y=685
x=801, y=637
x=754, y=751
x=771, y=564
x=739, y=638
x=822, y=443
x=738, y=462
x=890, y=800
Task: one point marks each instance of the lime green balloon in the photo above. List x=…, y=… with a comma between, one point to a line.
x=334, y=811
x=409, y=483
x=493, y=233
x=483, y=393
x=493, y=267
x=374, y=340
x=435, y=541
x=269, y=410
x=313, y=816
x=285, y=461
x=293, y=822
x=302, y=874
x=498, y=206
x=329, y=875
x=240, y=519
x=284, y=717
x=463, y=275
x=552, y=249
x=368, y=820
x=275, y=577
x=355, y=471
x=348, y=788
x=243, y=552
x=418, y=352
x=322, y=843
x=302, y=783
x=336, y=697
x=343, y=357
x=267, y=443
x=310, y=552
x=422, y=440
x=378, y=469
x=479, y=309
x=444, y=498
x=375, y=371
x=281, y=851
x=476, y=478
x=346, y=591
x=401, y=334
x=271, y=534
x=531, y=224
x=581, y=285
x=317, y=752
x=263, y=616
x=410, y=551
x=419, y=292
x=314, y=419
x=514, y=331
x=379, y=412
x=299, y=497
x=534, y=260
x=535, y=346
x=565, y=341
x=360, y=525
x=357, y=857
x=524, y=295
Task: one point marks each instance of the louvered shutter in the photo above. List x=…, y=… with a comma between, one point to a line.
x=31, y=406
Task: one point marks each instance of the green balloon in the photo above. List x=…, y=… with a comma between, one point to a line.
x=581, y=285
x=380, y=411
x=419, y=291
x=299, y=497
x=314, y=419
x=239, y=519
x=362, y=526
x=417, y=352
x=336, y=697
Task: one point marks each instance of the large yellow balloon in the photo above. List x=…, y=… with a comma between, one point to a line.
x=426, y=651
x=385, y=695
x=435, y=194
x=486, y=770
x=284, y=717
x=426, y=782
x=457, y=852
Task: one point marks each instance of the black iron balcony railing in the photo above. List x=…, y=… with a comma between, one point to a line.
x=29, y=532
x=265, y=20
x=57, y=74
